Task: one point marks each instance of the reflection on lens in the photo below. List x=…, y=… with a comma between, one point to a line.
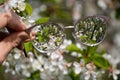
x=49, y=37
x=91, y=30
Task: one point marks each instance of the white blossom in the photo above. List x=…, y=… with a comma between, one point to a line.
x=79, y=67
x=114, y=61
x=17, y=55
x=90, y=73
x=114, y=72
x=102, y=4
x=17, y=4
x=21, y=5
x=65, y=44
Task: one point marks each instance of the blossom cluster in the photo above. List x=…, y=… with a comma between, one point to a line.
x=55, y=66
x=52, y=65
x=18, y=5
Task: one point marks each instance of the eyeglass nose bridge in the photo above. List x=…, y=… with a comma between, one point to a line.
x=69, y=32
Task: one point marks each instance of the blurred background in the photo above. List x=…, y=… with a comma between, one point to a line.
x=68, y=12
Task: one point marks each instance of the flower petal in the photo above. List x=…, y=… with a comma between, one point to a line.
x=87, y=77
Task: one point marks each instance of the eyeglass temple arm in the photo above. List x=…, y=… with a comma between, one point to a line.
x=30, y=28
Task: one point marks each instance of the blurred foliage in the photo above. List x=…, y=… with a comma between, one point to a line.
x=28, y=9
x=2, y=68
x=73, y=48
x=42, y=20
x=57, y=11
x=28, y=46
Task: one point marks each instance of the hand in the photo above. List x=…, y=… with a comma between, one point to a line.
x=17, y=35
x=13, y=23
x=11, y=20
x=31, y=37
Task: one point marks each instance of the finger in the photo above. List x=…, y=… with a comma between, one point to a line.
x=32, y=33
x=15, y=22
x=20, y=46
x=3, y=20
x=3, y=35
x=10, y=30
x=32, y=38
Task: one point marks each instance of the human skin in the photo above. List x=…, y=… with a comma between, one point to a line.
x=17, y=35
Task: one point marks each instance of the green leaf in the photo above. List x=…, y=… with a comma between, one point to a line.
x=100, y=61
x=87, y=60
x=28, y=46
x=42, y=20
x=73, y=48
x=92, y=50
x=29, y=9
x=2, y=70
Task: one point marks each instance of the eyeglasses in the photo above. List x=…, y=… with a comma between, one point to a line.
x=89, y=31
